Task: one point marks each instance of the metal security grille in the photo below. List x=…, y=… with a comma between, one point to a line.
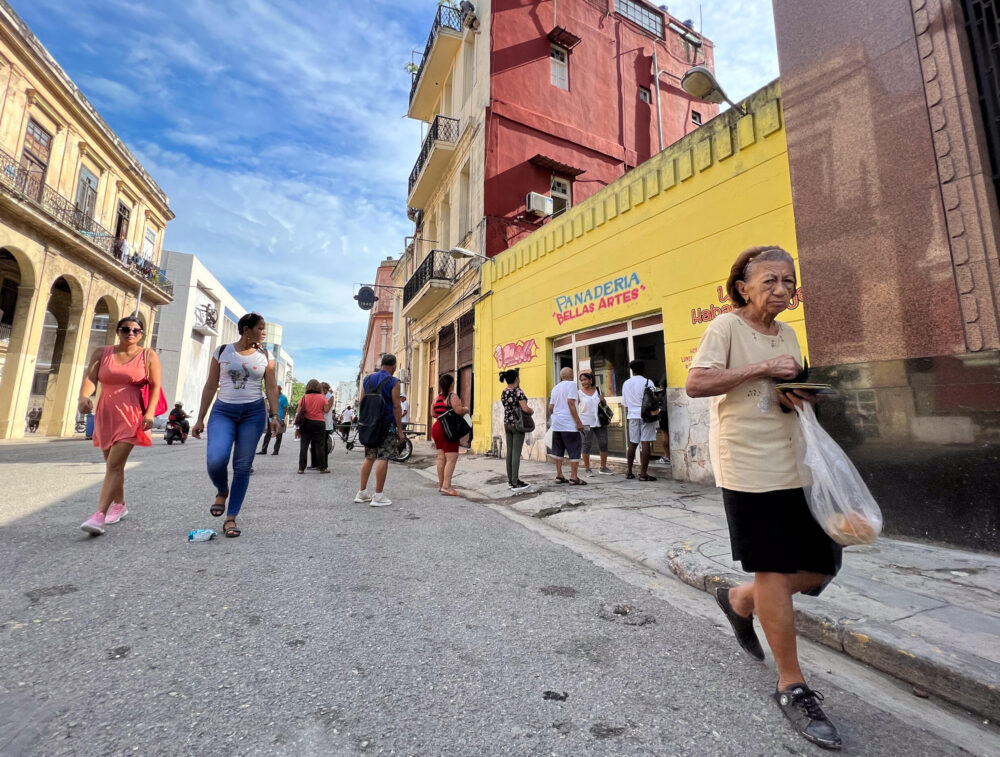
x=982, y=22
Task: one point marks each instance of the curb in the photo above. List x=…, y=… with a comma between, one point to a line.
x=966, y=680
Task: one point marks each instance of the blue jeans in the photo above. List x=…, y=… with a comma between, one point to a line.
x=229, y=426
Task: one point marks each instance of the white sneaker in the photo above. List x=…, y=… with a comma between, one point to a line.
x=362, y=496
x=380, y=500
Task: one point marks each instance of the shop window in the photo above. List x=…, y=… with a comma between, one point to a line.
x=561, y=193
x=559, y=58
x=609, y=362
x=644, y=95
x=650, y=349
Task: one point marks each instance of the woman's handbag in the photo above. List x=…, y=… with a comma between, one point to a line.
x=523, y=423
x=300, y=414
x=605, y=413
x=838, y=498
x=455, y=426
x=161, y=403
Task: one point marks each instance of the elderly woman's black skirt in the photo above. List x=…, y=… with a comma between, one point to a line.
x=774, y=532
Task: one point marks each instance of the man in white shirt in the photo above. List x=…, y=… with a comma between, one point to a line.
x=346, y=419
x=566, y=427
x=639, y=431
x=405, y=407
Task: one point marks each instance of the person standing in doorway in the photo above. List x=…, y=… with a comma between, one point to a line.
x=663, y=425
x=282, y=411
x=447, y=451
x=121, y=422
x=312, y=432
x=566, y=428
x=640, y=433
x=589, y=400
x=239, y=415
x=383, y=435
x=513, y=399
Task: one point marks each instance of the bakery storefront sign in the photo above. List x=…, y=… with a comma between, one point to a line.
x=604, y=296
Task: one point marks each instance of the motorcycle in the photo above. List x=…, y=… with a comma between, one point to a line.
x=174, y=432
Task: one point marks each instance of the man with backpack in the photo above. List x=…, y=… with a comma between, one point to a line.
x=643, y=404
x=380, y=429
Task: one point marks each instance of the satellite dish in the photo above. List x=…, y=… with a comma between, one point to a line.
x=366, y=298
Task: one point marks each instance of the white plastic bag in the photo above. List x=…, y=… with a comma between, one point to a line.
x=548, y=440
x=838, y=498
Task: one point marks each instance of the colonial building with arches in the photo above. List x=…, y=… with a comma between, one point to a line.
x=81, y=234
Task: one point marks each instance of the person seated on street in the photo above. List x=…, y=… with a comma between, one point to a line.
x=753, y=452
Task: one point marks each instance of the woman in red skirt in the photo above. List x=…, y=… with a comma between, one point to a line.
x=447, y=452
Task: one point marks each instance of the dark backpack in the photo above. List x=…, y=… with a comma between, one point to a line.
x=652, y=403
x=373, y=425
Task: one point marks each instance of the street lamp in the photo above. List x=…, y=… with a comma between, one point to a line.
x=701, y=83
x=460, y=253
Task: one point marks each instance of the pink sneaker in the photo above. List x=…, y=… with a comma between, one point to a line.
x=94, y=524
x=116, y=512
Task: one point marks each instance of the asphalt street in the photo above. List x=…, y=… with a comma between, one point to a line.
x=436, y=626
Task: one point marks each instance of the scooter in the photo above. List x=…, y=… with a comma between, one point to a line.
x=174, y=432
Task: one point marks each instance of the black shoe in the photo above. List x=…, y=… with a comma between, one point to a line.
x=275, y=452
x=801, y=705
x=262, y=452
x=742, y=627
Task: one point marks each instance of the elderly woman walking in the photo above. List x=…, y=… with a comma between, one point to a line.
x=121, y=421
x=753, y=436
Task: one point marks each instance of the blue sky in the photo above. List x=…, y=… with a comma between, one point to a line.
x=278, y=131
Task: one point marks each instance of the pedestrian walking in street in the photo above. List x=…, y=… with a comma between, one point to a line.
x=566, y=428
x=282, y=412
x=447, y=451
x=239, y=415
x=590, y=401
x=310, y=426
x=515, y=408
x=34, y=416
x=641, y=433
x=346, y=421
x=753, y=452
x=404, y=405
x=380, y=429
x=121, y=420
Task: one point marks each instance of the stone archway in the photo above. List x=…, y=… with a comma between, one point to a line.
x=18, y=297
x=56, y=357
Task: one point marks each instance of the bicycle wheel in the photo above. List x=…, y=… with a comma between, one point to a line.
x=403, y=456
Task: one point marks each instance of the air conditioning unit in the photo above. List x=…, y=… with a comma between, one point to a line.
x=538, y=205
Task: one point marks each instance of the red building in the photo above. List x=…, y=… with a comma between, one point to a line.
x=573, y=101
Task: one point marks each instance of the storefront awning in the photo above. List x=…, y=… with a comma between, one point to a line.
x=563, y=38
x=555, y=166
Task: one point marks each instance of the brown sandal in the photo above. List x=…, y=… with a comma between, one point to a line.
x=561, y=480
x=577, y=482
x=218, y=508
x=232, y=531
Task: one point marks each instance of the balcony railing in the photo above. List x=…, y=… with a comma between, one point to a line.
x=449, y=18
x=437, y=265
x=31, y=186
x=444, y=129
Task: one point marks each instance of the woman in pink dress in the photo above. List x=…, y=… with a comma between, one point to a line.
x=121, y=422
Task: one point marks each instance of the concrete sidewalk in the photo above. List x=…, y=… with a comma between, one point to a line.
x=927, y=615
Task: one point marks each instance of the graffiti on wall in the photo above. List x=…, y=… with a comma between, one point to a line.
x=713, y=311
x=515, y=353
x=611, y=293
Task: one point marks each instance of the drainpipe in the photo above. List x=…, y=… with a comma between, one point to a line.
x=656, y=86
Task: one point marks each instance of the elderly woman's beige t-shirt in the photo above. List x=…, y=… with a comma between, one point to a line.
x=752, y=443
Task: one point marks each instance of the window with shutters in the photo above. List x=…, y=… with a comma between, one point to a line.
x=644, y=95
x=561, y=194
x=149, y=243
x=559, y=57
x=86, y=193
x=35, y=158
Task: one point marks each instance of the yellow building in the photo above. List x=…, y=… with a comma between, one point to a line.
x=637, y=271
x=81, y=231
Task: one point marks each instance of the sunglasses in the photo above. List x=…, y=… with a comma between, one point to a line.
x=127, y=330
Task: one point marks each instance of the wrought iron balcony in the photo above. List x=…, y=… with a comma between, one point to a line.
x=429, y=283
x=29, y=185
x=446, y=18
x=434, y=156
x=443, y=43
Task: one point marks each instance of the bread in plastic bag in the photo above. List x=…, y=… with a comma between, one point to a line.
x=838, y=498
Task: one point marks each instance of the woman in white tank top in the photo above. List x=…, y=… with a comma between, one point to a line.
x=238, y=416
